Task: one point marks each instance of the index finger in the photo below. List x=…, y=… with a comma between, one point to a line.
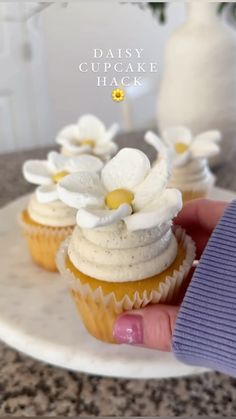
x=199, y=218
x=203, y=213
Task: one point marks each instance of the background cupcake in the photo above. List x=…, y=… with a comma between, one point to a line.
x=189, y=159
x=47, y=221
x=89, y=135
x=123, y=253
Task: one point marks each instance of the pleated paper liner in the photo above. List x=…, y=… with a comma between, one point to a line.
x=99, y=307
x=43, y=241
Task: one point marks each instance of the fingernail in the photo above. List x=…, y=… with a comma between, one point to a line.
x=129, y=329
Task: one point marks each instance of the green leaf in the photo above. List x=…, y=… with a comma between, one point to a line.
x=222, y=6
x=158, y=9
x=230, y=6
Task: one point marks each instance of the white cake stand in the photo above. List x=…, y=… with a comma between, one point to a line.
x=38, y=317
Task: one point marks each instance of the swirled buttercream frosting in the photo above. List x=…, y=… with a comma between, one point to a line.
x=53, y=214
x=115, y=254
x=194, y=175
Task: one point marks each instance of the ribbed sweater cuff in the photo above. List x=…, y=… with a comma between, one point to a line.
x=205, y=330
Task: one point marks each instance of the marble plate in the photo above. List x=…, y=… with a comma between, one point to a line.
x=37, y=316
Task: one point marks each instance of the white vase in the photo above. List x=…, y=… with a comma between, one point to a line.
x=198, y=88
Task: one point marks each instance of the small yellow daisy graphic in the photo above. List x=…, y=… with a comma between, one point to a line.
x=118, y=95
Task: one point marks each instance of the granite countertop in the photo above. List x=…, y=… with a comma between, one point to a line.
x=32, y=388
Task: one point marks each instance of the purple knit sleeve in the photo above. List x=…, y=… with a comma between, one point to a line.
x=205, y=330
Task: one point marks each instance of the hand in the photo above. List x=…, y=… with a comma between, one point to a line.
x=153, y=325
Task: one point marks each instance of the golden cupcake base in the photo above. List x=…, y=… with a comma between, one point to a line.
x=97, y=317
x=43, y=241
x=99, y=302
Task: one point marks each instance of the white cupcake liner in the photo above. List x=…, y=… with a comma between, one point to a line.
x=168, y=290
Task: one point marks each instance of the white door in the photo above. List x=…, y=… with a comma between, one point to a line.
x=24, y=109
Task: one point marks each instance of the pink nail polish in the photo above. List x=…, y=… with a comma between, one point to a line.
x=129, y=329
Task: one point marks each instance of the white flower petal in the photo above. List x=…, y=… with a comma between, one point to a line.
x=74, y=147
x=57, y=162
x=81, y=189
x=105, y=148
x=90, y=127
x=111, y=132
x=212, y=135
x=70, y=132
x=155, y=141
x=180, y=159
x=177, y=134
x=126, y=170
x=153, y=185
x=207, y=149
x=47, y=193
x=160, y=211
x=89, y=218
x=37, y=172
x=84, y=163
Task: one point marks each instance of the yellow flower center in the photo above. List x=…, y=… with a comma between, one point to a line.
x=117, y=197
x=181, y=148
x=58, y=176
x=118, y=95
x=89, y=142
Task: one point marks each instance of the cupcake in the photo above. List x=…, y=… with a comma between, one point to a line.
x=189, y=157
x=123, y=253
x=47, y=221
x=89, y=135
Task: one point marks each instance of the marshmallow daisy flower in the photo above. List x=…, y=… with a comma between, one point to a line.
x=47, y=173
x=182, y=146
x=127, y=189
x=89, y=135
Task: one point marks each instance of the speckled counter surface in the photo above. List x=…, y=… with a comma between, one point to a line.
x=31, y=388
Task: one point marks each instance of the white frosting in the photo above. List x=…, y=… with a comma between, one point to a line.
x=114, y=254
x=53, y=214
x=194, y=175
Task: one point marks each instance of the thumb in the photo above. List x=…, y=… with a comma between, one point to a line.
x=151, y=326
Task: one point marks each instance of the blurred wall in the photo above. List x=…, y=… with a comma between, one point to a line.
x=41, y=87
x=25, y=120
x=70, y=35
